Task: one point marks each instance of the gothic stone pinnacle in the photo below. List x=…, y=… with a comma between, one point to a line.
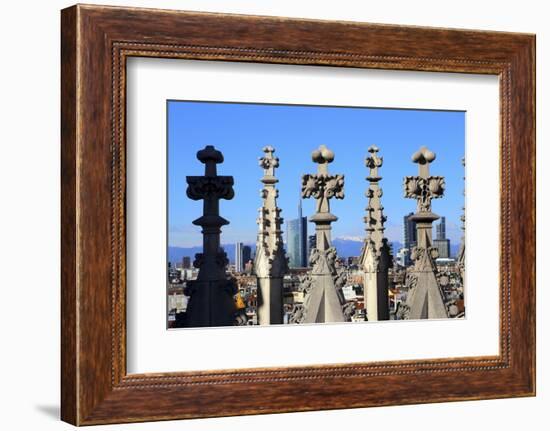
x=424, y=187
x=211, y=294
x=375, y=255
x=323, y=186
x=270, y=263
x=425, y=298
x=322, y=303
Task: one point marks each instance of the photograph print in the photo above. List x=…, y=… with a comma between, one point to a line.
x=295, y=214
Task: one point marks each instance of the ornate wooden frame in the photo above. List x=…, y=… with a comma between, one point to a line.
x=96, y=41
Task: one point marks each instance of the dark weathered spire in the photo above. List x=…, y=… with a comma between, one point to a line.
x=211, y=295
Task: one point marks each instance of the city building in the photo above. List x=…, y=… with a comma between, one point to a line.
x=249, y=267
x=441, y=232
x=409, y=237
x=239, y=262
x=402, y=257
x=390, y=245
x=441, y=242
x=186, y=262
x=297, y=241
x=247, y=254
x=174, y=274
x=443, y=247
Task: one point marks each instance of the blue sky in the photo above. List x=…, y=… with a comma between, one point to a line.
x=241, y=130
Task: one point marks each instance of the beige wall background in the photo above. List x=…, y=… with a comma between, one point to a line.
x=29, y=214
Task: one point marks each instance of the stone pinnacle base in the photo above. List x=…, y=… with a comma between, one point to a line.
x=323, y=304
x=211, y=303
x=270, y=301
x=425, y=300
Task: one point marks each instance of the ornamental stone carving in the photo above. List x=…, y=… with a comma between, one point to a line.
x=425, y=299
x=322, y=302
x=375, y=258
x=211, y=294
x=270, y=263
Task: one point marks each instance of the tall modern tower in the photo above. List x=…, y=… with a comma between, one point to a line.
x=409, y=237
x=441, y=242
x=297, y=243
x=247, y=254
x=440, y=229
x=239, y=261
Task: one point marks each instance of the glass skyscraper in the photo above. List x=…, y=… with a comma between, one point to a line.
x=297, y=244
x=441, y=232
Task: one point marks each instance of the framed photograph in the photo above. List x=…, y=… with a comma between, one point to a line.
x=258, y=208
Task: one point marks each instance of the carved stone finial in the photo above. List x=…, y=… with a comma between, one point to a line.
x=270, y=263
x=322, y=303
x=373, y=162
x=323, y=186
x=374, y=219
x=269, y=220
x=210, y=187
x=211, y=295
x=322, y=156
x=425, y=299
x=424, y=187
x=423, y=157
x=210, y=157
x=269, y=162
x=375, y=255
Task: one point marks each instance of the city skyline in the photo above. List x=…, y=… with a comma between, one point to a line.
x=294, y=131
x=352, y=245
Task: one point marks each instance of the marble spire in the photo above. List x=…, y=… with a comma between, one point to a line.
x=211, y=300
x=425, y=300
x=375, y=258
x=322, y=302
x=462, y=250
x=270, y=263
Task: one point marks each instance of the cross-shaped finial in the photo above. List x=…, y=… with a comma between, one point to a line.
x=210, y=157
x=373, y=162
x=424, y=187
x=269, y=162
x=423, y=157
x=210, y=187
x=323, y=186
x=322, y=156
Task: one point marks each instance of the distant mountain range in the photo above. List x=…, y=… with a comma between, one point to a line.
x=346, y=247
